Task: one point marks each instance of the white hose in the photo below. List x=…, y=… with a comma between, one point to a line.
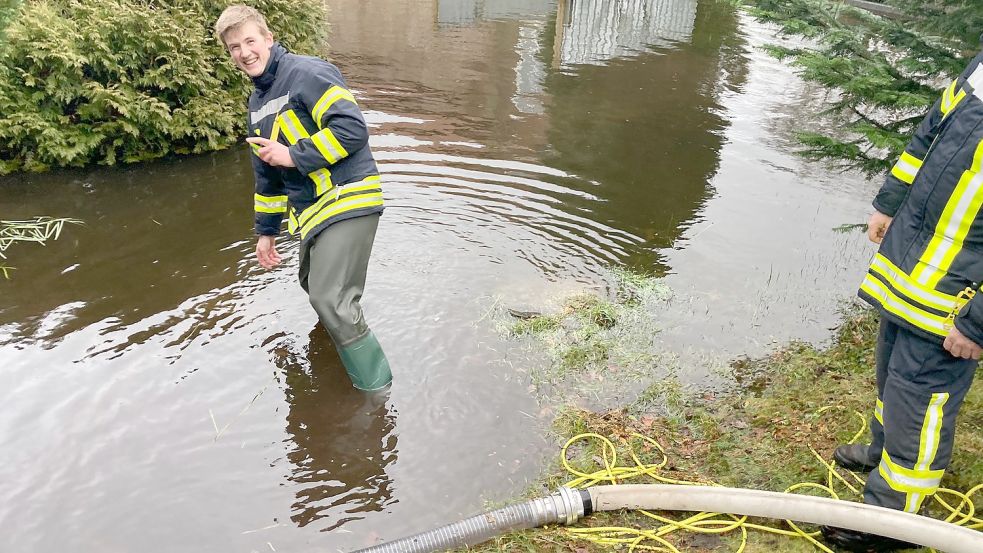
x=909, y=527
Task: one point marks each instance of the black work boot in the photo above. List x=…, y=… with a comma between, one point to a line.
x=862, y=542
x=854, y=457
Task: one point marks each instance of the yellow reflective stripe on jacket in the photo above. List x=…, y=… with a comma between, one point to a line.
x=906, y=169
x=275, y=133
x=291, y=127
x=903, y=283
x=292, y=221
x=929, y=322
x=951, y=99
x=331, y=96
x=368, y=183
x=322, y=181
x=288, y=123
x=348, y=204
x=270, y=204
x=879, y=411
x=329, y=146
x=950, y=232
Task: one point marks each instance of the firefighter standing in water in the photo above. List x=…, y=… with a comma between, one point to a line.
x=313, y=165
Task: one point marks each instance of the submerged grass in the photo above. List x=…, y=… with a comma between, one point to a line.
x=756, y=436
x=594, y=336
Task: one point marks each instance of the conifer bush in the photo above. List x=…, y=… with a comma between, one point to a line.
x=120, y=81
x=886, y=72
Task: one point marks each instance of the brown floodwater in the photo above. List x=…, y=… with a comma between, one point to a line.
x=163, y=393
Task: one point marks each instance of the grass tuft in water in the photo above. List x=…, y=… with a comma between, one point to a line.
x=599, y=336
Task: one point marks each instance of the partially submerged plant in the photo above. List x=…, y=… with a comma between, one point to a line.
x=39, y=230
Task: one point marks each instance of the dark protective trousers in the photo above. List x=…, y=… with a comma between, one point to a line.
x=333, y=265
x=920, y=387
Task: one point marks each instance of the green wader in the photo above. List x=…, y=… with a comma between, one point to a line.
x=332, y=271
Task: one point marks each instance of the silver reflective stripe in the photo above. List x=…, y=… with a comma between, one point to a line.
x=927, y=485
x=976, y=81
x=271, y=205
x=963, y=207
x=901, y=281
x=269, y=108
x=878, y=290
x=907, y=167
x=296, y=134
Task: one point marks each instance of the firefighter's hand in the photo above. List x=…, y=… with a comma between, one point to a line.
x=959, y=345
x=272, y=152
x=266, y=252
x=877, y=226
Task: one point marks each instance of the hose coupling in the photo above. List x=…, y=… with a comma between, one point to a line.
x=569, y=505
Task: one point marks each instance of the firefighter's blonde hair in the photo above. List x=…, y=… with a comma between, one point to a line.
x=235, y=17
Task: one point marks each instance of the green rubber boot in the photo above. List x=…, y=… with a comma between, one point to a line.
x=366, y=364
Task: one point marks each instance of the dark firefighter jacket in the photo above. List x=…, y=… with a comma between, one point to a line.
x=303, y=102
x=930, y=263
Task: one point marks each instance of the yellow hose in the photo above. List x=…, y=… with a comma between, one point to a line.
x=963, y=513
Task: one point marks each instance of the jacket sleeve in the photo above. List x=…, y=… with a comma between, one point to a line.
x=341, y=127
x=270, y=199
x=970, y=320
x=903, y=174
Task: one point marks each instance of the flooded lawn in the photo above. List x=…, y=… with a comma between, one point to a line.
x=163, y=393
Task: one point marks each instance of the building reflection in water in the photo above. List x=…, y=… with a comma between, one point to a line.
x=342, y=439
x=595, y=31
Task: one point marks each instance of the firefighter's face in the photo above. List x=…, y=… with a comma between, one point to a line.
x=249, y=47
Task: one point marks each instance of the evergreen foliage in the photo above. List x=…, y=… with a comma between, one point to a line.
x=886, y=73
x=7, y=10
x=114, y=81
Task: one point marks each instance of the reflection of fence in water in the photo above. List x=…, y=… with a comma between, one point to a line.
x=593, y=31
x=467, y=11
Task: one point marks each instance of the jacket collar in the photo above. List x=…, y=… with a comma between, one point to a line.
x=265, y=81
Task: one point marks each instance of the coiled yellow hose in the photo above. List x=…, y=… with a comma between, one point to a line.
x=963, y=513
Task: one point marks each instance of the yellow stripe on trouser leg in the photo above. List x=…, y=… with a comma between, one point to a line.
x=928, y=447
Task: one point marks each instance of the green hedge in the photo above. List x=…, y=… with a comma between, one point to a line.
x=120, y=81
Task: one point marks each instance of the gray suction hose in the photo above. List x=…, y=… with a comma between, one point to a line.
x=909, y=527
x=566, y=506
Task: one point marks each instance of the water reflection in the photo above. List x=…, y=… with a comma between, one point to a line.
x=621, y=97
x=649, y=128
x=596, y=31
x=341, y=440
